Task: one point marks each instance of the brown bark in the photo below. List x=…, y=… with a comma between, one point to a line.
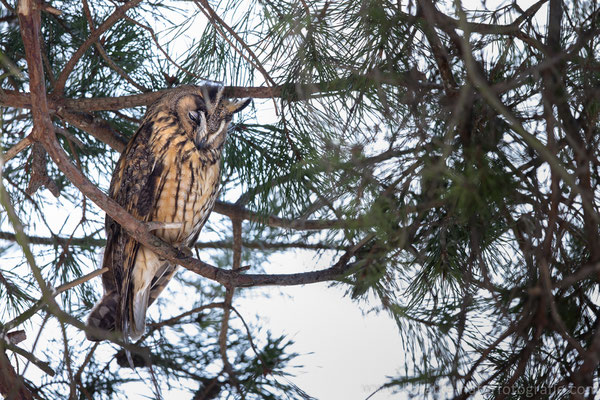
x=291, y=92
x=29, y=22
x=11, y=384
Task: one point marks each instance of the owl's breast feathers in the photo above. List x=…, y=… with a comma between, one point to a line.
x=167, y=178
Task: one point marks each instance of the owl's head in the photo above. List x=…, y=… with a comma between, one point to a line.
x=204, y=114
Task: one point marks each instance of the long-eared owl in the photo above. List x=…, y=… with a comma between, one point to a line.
x=168, y=176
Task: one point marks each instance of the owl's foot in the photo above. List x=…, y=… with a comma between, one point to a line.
x=156, y=225
x=185, y=250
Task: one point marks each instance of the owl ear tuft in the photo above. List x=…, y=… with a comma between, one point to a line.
x=212, y=93
x=238, y=106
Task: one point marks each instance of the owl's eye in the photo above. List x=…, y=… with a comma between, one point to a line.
x=195, y=116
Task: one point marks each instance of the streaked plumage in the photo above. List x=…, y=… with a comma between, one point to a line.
x=169, y=173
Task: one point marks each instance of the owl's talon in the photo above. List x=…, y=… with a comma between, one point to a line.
x=184, y=249
x=156, y=225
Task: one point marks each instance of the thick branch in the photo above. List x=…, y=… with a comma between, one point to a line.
x=97, y=127
x=290, y=91
x=29, y=22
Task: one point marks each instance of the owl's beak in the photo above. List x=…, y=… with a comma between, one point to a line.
x=201, y=129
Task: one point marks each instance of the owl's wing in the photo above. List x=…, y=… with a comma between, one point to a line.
x=135, y=185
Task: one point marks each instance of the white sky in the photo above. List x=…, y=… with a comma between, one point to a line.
x=346, y=355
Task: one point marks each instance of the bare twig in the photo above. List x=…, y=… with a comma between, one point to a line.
x=70, y=137
x=67, y=361
x=79, y=281
x=37, y=339
x=236, y=211
x=50, y=10
x=237, y=257
x=19, y=147
x=28, y=356
x=249, y=335
x=179, y=317
x=85, y=362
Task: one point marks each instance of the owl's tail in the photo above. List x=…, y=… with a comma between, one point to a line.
x=137, y=318
x=103, y=315
x=145, y=294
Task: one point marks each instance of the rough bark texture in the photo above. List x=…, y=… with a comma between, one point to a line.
x=11, y=384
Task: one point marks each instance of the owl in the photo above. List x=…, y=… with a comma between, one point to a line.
x=168, y=177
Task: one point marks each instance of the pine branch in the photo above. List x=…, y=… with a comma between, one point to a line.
x=288, y=91
x=38, y=305
x=217, y=244
x=162, y=50
x=217, y=21
x=94, y=36
x=238, y=211
x=194, y=311
x=104, y=55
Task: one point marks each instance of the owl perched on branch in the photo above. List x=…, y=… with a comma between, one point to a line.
x=168, y=176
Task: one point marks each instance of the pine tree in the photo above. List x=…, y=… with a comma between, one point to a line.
x=445, y=153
